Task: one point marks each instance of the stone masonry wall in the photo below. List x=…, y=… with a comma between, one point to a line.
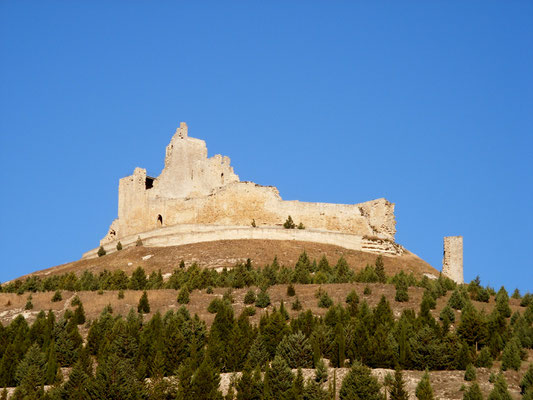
x=193, y=189
x=452, y=262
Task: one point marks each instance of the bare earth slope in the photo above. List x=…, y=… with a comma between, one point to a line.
x=225, y=253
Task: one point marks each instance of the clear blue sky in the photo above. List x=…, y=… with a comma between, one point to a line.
x=429, y=104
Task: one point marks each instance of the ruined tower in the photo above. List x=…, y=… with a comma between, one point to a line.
x=452, y=261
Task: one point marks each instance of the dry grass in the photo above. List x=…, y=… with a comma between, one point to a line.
x=228, y=252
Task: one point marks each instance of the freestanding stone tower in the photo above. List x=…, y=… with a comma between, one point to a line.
x=452, y=261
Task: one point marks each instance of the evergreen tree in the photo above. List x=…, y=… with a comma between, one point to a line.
x=185, y=374
x=290, y=290
x=321, y=372
x=380, y=269
x=511, y=355
x=398, y=391
x=502, y=303
x=76, y=386
x=247, y=386
x=119, y=246
x=360, y=384
x=30, y=373
x=424, y=391
x=314, y=391
x=484, y=360
x=138, y=279
x=402, y=295
x=289, y=223
x=457, y=300
x=448, y=313
x=249, y=298
x=205, y=382
x=473, y=393
x=263, y=299
x=500, y=391
x=79, y=314
x=298, y=386
x=296, y=350
x=57, y=296
x=101, y=252
x=183, y=296
x=8, y=366
x=144, y=305
x=52, y=366
x=279, y=379
x=470, y=373
x=527, y=380
x=325, y=301
x=258, y=355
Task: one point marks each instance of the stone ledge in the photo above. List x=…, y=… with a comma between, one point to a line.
x=188, y=234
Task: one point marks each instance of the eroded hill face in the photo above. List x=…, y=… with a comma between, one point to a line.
x=226, y=253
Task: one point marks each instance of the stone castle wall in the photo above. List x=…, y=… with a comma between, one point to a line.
x=452, y=261
x=194, y=190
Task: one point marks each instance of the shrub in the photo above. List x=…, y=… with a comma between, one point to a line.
x=119, y=246
x=76, y=301
x=209, y=290
x=100, y=292
x=183, y=296
x=57, y=296
x=139, y=242
x=470, y=373
x=301, y=226
x=101, y=251
x=367, y=291
x=248, y=311
x=120, y=294
x=289, y=223
x=290, y=290
x=249, y=298
x=262, y=300
x=253, y=223
x=296, y=305
x=325, y=301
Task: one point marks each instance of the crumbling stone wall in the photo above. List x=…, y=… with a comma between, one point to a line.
x=197, y=190
x=452, y=261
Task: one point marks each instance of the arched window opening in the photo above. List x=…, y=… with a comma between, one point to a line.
x=159, y=220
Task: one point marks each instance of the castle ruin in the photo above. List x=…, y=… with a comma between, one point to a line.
x=196, y=198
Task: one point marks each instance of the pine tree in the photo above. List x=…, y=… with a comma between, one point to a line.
x=279, y=379
x=247, y=387
x=205, y=382
x=473, y=393
x=457, y=300
x=290, y=290
x=144, y=305
x=138, y=279
x=360, y=384
x=402, y=295
x=8, y=366
x=296, y=350
x=527, y=380
x=502, y=303
x=52, y=366
x=511, y=355
x=101, y=252
x=249, y=298
x=297, y=391
x=398, y=391
x=76, y=386
x=484, y=360
x=263, y=299
x=380, y=269
x=258, y=355
x=314, y=391
x=500, y=391
x=321, y=372
x=424, y=391
x=325, y=301
x=79, y=314
x=289, y=223
x=183, y=296
x=119, y=246
x=470, y=373
x=185, y=374
x=57, y=296
x=30, y=373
